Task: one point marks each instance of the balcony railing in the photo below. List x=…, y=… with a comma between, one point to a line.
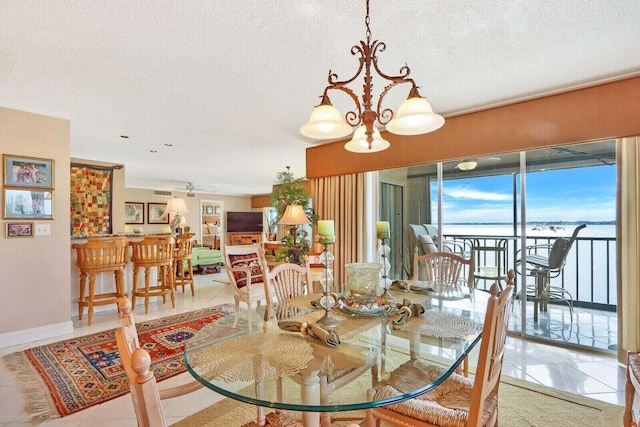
x=589, y=273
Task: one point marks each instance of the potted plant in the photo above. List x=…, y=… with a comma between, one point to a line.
x=291, y=191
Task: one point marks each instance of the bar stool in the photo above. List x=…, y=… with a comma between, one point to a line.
x=100, y=255
x=153, y=251
x=182, y=258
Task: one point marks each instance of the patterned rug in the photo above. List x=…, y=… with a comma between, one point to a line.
x=67, y=376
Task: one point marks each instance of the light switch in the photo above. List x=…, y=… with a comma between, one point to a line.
x=43, y=229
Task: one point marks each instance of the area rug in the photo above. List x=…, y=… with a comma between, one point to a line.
x=521, y=404
x=68, y=376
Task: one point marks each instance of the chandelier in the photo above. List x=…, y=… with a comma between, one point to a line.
x=414, y=117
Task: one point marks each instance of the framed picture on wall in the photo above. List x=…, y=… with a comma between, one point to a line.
x=22, y=171
x=20, y=203
x=133, y=213
x=155, y=213
x=19, y=229
x=209, y=210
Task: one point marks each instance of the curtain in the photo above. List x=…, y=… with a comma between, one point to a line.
x=628, y=216
x=343, y=199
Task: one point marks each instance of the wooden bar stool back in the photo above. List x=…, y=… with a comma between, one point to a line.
x=153, y=252
x=183, y=266
x=100, y=255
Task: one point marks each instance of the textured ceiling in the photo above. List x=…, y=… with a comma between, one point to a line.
x=228, y=83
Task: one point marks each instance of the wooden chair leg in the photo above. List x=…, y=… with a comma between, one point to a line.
x=92, y=291
x=83, y=284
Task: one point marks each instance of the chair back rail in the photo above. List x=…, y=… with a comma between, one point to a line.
x=443, y=267
x=289, y=280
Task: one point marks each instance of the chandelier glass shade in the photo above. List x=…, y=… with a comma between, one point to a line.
x=360, y=144
x=414, y=117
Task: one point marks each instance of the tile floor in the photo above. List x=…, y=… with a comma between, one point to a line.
x=594, y=375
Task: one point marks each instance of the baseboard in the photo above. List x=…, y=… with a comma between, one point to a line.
x=23, y=336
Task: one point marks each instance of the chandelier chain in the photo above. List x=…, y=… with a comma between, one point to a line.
x=367, y=22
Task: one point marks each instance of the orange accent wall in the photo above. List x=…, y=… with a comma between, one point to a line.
x=261, y=201
x=264, y=200
x=606, y=111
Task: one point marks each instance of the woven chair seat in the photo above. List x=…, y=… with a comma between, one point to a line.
x=446, y=405
x=277, y=420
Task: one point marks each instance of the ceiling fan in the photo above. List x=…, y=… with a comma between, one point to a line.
x=190, y=188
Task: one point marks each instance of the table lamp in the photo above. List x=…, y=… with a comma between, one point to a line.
x=294, y=215
x=177, y=206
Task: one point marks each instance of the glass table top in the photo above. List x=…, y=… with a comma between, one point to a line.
x=259, y=362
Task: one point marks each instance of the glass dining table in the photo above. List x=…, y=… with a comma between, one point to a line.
x=291, y=362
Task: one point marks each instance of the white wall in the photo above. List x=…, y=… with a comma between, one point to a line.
x=35, y=270
x=231, y=203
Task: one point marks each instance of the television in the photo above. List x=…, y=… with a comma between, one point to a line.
x=244, y=222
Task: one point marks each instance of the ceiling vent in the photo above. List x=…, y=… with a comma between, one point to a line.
x=162, y=193
x=191, y=194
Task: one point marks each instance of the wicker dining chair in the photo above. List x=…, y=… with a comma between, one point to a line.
x=145, y=394
x=445, y=269
x=247, y=269
x=458, y=401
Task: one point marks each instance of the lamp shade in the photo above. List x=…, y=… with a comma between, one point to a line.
x=359, y=144
x=415, y=117
x=325, y=123
x=294, y=215
x=176, y=205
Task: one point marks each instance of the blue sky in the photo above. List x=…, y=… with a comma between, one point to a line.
x=571, y=195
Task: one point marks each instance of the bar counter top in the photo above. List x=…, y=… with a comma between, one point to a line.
x=119, y=235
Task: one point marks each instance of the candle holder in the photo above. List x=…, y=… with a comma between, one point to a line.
x=326, y=258
x=384, y=251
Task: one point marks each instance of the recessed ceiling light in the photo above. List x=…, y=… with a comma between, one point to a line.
x=467, y=166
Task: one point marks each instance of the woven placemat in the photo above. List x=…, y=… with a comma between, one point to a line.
x=441, y=325
x=262, y=357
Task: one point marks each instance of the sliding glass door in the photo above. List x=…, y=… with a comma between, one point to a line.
x=504, y=207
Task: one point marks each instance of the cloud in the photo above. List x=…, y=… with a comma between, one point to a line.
x=472, y=194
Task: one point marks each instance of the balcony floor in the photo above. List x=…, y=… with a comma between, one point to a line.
x=590, y=328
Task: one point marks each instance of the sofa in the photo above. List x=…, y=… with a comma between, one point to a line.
x=205, y=260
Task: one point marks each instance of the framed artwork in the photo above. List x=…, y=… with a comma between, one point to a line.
x=217, y=210
x=20, y=203
x=209, y=210
x=19, y=229
x=133, y=213
x=27, y=171
x=155, y=213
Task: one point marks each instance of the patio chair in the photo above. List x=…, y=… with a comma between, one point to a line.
x=458, y=400
x=424, y=239
x=545, y=262
x=246, y=267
